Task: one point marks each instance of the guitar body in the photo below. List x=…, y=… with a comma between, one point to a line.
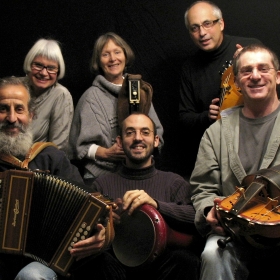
x=252, y=213
x=230, y=95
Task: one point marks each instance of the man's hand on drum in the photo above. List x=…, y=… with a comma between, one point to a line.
x=135, y=198
x=89, y=246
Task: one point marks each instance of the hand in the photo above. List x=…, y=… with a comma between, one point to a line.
x=213, y=221
x=117, y=211
x=239, y=48
x=114, y=153
x=89, y=246
x=214, y=109
x=135, y=198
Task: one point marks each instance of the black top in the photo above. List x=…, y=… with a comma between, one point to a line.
x=170, y=190
x=56, y=162
x=200, y=83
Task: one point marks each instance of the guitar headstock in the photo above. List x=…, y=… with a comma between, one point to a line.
x=225, y=67
x=230, y=95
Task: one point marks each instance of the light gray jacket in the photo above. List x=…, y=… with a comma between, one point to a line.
x=218, y=169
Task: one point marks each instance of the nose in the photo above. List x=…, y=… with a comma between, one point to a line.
x=11, y=116
x=44, y=71
x=138, y=135
x=202, y=31
x=255, y=73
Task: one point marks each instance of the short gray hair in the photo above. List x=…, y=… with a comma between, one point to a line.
x=255, y=48
x=16, y=81
x=216, y=11
x=49, y=49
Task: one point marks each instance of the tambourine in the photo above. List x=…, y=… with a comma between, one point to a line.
x=143, y=236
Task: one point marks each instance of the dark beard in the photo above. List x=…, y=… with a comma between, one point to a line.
x=137, y=160
x=17, y=146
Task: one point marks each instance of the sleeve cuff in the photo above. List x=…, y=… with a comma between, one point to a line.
x=92, y=151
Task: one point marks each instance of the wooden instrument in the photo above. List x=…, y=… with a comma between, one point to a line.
x=230, y=95
x=143, y=236
x=252, y=213
x=43, y=216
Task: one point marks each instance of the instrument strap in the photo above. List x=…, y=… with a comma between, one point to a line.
x=32, y=153
x=257, y=182
x=253, y=189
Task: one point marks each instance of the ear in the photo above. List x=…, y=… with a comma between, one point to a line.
x=156, y=141
x=236, y=82
x=222, y=24
x=31, y=115
x=278, y=77
x=119, y=141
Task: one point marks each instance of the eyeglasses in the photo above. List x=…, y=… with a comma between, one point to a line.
x=39, y=67
x=248, y=70
x=132, y=132
x=206, y=25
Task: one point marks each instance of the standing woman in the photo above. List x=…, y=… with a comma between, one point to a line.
x=44, y=66
x=95, y=124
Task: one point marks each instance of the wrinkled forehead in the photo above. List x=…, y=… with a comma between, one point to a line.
x=254, y=58
x=200, y=13
x=14, y=93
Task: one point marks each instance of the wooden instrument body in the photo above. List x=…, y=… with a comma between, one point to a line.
x=42, y=216
x=230, y=95
x=250, y=214
x=143, y=236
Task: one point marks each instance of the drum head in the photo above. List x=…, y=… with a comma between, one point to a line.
x=140, y=237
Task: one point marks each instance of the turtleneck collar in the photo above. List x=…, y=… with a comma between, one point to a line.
x=217, y=52
x=137, y=174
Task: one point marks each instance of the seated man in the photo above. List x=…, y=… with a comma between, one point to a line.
x=244, y=140
x=16, y=112
x=138, y=182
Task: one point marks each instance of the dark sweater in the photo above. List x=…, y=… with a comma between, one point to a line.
x=170, y=190
x=56, y=162
x=200, y=83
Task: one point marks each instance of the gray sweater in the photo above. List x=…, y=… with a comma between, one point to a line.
x=95, y=122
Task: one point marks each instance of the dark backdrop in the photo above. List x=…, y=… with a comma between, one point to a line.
x=155, y=30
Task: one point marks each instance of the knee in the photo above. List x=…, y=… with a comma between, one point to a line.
x=36, y=270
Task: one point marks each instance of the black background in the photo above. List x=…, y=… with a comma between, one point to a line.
x=153, y=28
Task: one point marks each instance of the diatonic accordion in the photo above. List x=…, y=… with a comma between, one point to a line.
x=42, y=216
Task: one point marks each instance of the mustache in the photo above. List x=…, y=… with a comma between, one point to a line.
x=7, y=125
x=137, y=142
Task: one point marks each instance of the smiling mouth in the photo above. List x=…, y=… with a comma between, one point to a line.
x=204, y=41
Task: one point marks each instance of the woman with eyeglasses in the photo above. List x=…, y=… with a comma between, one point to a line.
x=96, y=119
x=44, y=66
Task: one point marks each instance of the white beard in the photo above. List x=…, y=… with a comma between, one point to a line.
x=17, y=146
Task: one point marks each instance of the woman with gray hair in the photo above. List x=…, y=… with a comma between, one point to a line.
x=44, y=66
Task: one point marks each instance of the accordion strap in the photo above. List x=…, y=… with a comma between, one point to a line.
x=32, y=153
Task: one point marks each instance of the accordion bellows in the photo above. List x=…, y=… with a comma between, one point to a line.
x=42, y=216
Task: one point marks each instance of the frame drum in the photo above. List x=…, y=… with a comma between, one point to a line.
x=141, y=237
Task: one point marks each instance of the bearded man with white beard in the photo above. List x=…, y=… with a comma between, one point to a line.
x=16, y=139
x=16, y=149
